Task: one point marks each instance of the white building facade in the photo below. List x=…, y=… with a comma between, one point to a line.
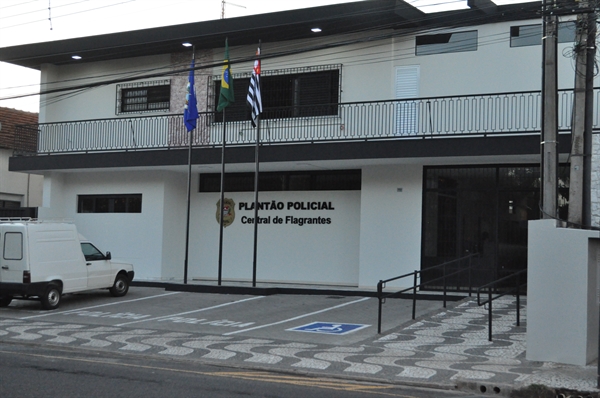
x=393, y=149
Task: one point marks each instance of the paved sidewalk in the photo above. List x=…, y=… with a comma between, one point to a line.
x=452, y=347
x=445, y=349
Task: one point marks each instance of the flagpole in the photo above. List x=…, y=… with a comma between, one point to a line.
x=256, y=173
x=221, y=204
x=226, y=97
x=189, y=180
x=187, y=227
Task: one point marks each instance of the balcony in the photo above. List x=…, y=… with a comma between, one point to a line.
x=485, y=115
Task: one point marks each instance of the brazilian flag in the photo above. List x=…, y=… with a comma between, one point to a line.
x=226, y=95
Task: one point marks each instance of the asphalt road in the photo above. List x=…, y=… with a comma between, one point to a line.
x=32, y=370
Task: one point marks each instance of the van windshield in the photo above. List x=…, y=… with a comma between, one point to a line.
x=91, y=252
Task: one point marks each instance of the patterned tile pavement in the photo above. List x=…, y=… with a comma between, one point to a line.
x=448, y=348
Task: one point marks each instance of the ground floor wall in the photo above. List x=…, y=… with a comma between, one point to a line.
x=151, y=240
x=390, y=223
x=346, y=238
x=302, y=237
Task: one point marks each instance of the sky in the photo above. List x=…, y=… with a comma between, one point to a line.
x=31, y=21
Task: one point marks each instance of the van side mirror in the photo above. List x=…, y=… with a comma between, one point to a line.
x=108, y=256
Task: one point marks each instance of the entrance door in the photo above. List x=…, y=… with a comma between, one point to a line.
x=483, y=210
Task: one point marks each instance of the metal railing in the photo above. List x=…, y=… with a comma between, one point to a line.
x=492, y=287
x=436, y=117
x=416, y=275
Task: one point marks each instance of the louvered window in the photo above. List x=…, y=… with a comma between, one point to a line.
x=407, y=90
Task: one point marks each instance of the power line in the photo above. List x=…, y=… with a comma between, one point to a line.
x=140, y=74
x=66, y=15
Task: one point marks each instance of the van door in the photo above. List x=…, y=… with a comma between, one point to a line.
x=13, y=255
x=98, y=267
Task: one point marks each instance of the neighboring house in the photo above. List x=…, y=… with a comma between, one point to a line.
x=20, y=193
x=392, y=140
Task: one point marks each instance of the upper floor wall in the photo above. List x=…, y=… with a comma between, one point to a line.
x=496, y=57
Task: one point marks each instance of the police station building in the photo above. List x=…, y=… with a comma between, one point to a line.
x=390, y=140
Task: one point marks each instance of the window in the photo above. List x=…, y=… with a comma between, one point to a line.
x=338, y=180
x=528, y=35
x=443, y=43
x=144, y=97
x=9, y=204
x=531, y=35
x=128, y=203
x=566, y=31
x=13, y=246
x=91, y=253
x=301, y=92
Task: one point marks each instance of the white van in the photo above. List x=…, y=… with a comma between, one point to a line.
x=43, y=260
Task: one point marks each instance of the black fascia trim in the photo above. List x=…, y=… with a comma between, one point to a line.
x=359, y=150
x=271, y=27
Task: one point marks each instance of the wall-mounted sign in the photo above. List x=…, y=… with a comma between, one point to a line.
x=287, y=206
x=228, y=212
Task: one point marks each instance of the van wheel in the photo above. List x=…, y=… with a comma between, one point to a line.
x=5, y=301
x=51, y=298
x=120, y=287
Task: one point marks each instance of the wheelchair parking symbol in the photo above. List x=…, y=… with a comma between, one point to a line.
x=329, y=328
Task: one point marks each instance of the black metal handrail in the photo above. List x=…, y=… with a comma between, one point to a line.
x=465, y=115
x=416, y=275
x=493, y=287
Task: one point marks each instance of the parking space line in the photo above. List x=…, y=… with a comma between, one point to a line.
x=297, y=317
x=100, y=305
x=190, y=312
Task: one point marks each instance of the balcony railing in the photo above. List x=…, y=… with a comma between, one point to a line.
x=469, y=115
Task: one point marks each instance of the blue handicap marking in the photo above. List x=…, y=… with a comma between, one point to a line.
x=329, y=327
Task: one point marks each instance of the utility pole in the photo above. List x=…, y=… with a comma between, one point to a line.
x=549, y=143
x=576, y=181
x=583, y=104
x=589, y=119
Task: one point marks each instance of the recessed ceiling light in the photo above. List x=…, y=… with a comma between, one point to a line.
x=315, y=30
x=186, y=44
x=76, y=57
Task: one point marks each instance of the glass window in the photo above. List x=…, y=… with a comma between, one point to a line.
x=483, y=210
x=526, y=35
x=13, y=246
x=125, y=203
x=531, y=35
x=286, y=94
x=90, y=252
x=567, y=31
x=443, y=43
x=334, y=180
x=144, y=97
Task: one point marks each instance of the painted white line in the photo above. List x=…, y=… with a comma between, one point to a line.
x=97, y=306
x=190, y=312
x=297, y=317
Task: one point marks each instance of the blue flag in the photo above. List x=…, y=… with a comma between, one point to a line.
x=190, y=113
